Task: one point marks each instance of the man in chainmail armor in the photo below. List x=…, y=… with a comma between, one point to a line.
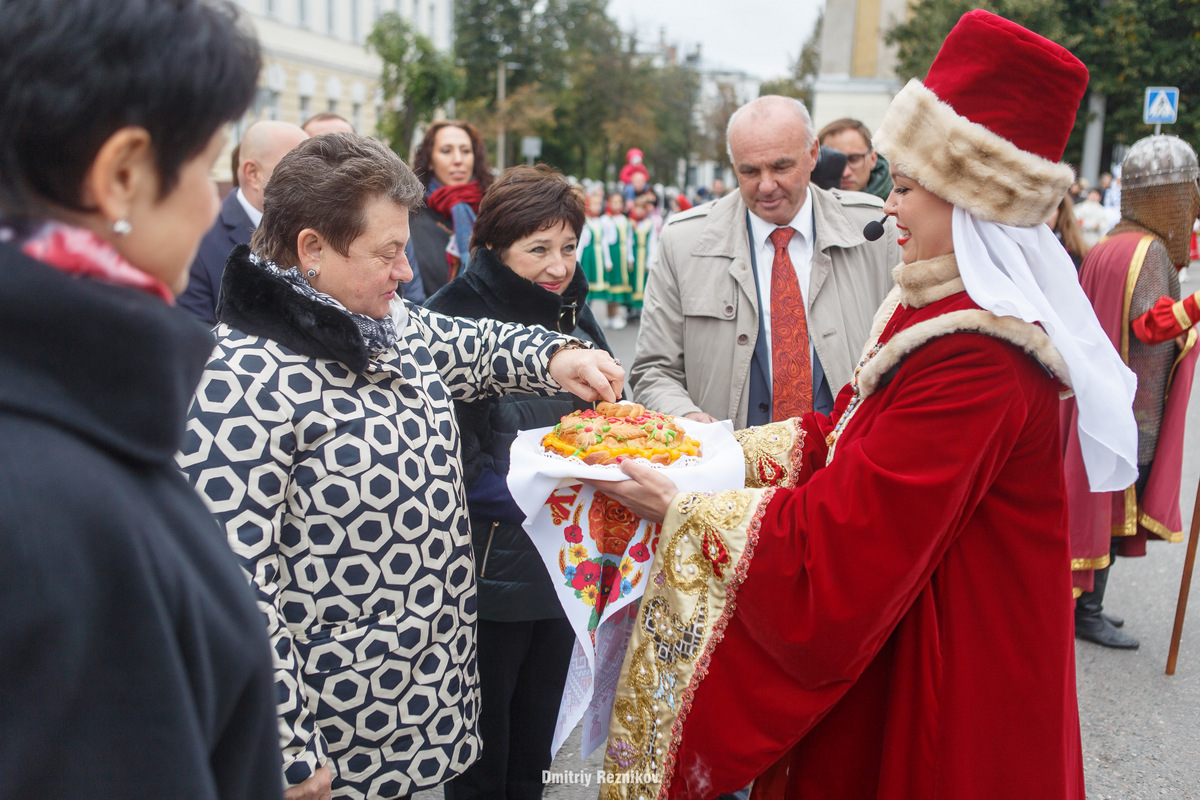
x=1132, y=279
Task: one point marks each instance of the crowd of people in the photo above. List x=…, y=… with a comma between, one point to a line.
x=259, y=540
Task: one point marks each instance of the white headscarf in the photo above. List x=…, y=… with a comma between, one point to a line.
x=1026, y=273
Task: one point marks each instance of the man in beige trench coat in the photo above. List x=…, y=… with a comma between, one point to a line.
x=704, y=346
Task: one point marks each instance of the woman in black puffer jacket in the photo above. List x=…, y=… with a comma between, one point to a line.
x=523, y=270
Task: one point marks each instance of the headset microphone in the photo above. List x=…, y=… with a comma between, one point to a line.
x=874, y=230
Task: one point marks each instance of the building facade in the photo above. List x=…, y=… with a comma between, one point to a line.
x=858, y=69
x=315, y=58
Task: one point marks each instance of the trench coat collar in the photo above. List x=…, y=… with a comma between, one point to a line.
x=725, y=232
x=725, y=236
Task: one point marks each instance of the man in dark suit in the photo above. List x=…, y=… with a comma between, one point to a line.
x=261, y=148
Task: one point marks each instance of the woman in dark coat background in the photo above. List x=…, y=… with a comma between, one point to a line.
x=523, y=269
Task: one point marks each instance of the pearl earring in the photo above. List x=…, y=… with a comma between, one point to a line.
x=122, y=227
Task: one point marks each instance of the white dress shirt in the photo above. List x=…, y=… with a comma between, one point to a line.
x=253, y=213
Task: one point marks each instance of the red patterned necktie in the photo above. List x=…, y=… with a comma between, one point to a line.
x=791, y=367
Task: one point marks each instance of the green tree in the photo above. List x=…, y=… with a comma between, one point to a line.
x=596, y=82
x=417, y=79
x=717, y=121
x=1127, y=46
x=673, y=101
x=1134, y=44
x=581, y=85
x=525, y=32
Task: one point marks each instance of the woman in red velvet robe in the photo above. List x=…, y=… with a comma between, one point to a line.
x=886, y=611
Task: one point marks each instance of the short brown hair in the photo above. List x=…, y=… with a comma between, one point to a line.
x=523, y=201
x=845, y=123
x=424, y=155
x=324, y=183
x=235, y=163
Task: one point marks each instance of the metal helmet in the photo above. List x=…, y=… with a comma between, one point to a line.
x=1160, y=190
x=1159, y=160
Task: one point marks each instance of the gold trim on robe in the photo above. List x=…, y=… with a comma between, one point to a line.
x=703, y=555
x=1091, y=563
x=772, y=457
x=1181, y=315
x=1135, y=269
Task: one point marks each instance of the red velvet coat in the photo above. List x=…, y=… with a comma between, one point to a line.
x=898, y=624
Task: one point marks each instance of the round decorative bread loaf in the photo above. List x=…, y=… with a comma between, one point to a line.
x=613, y=431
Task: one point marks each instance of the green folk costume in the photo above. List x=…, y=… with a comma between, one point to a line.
x=617, y=273
x=594, y=257
x=644, y=239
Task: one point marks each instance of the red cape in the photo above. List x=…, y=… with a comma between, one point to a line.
x=1108, y=277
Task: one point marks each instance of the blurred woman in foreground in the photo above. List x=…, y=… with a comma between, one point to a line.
x=132, y=658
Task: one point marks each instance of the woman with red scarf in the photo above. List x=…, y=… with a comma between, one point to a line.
x=452, y=164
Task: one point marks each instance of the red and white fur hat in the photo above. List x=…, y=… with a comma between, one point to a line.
x=987, y=128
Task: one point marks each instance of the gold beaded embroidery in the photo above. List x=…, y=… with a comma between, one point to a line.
x=665, y=646
x=771, y=453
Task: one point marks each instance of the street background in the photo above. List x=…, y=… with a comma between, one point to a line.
x=1140, y=727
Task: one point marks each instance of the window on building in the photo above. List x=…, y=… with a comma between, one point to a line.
x=333, y=104
x=356, y=116
x=355, y=28
x=302, y=12
x=273, y=104
x=305, y=108
x=271, y=7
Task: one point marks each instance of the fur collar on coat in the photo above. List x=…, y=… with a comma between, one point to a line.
x=257, y=302
x=923, y=284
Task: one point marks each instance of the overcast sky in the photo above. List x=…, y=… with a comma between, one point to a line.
x=762, y=37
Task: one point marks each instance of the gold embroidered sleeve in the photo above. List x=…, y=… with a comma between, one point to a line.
x=772, y=452
x=706, y=545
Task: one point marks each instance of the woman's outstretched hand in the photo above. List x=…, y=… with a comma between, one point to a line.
x=590, y=375
x=648, y=494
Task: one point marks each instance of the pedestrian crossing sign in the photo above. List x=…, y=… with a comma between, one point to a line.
x=1162, y=105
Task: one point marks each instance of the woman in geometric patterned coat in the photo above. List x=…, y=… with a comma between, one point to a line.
x=324, y=439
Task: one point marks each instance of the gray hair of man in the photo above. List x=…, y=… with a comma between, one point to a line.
x=760, y=105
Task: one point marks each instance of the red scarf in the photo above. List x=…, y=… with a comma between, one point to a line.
x=83, y=254
x=447, y=197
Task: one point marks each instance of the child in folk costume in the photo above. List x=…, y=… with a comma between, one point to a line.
x=594, y=256
x=643, y=241
x=616, y=236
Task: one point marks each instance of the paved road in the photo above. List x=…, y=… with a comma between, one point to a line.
x=1140, y=727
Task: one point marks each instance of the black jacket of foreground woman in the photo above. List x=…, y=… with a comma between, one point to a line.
x=133, y=660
